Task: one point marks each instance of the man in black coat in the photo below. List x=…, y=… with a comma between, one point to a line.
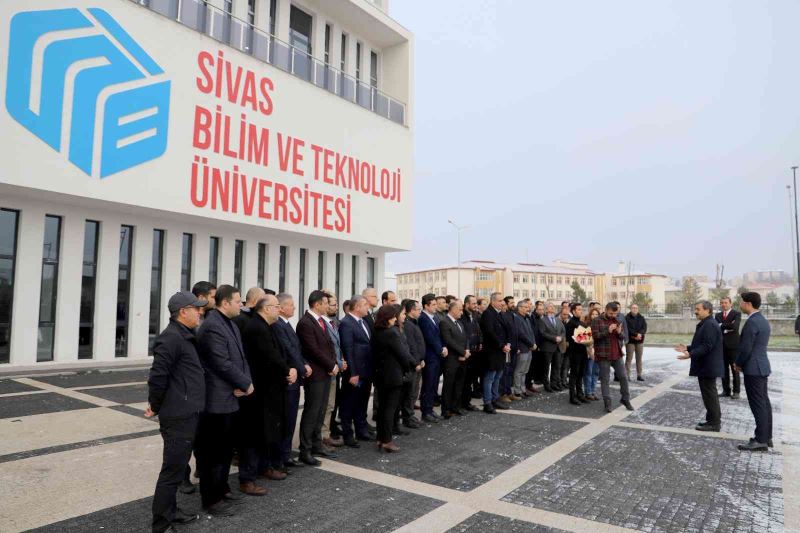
x=536, y=371
x=551, y=333
x=576, y=353
x=355, y=336
x=507, y=318
x=416, y=347
x=708, y=363
x=454, y=365
x=227, y=379
x=730, y=321
x=470, y=320
x=637, y=327
x=264, y=412
x=496, y=350
x=176, y=394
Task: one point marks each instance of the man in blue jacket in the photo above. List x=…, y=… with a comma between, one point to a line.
x=434, y=351
x=227, y=379
x=708, y=362
x=355, y=336
x=753, y=362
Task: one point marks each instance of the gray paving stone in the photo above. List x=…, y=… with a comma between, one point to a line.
x=95, y=377
x=311, y=500
x=124, y=395
x=662, y=482
x=491, y=523
x=463, y=452
x=675, y=409
x=557, y=403
x=36, y=404
x=8, y=386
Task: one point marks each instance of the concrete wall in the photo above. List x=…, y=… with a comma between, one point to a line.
x=780, y=326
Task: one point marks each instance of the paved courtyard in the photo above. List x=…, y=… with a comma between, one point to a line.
x=76, y=454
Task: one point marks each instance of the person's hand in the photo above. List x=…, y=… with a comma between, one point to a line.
x=292, y=377
x=534, y=348
x=308, y=371
x=344, y=365
x=444, y=351
x=353, y=381
x=638, y=336
x=462, y=359
x=680, y=348
x=467, y=353
x=685, y=355
x=611, y=328
x=238, y=393
x=250, y=390
x=480, y=346
x=334, y=371
x=422, y=364
x=558, y=339
x=419, y=367
x=507, y=348
x=148, y=413
x=737, y=367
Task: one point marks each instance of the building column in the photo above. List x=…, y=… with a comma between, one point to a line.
x=361, y=274
x=226, y=254
x=347, y=275
x=380, y=272
x=250, y=263
x=262, y=15
x=139, y=306
x=68, y=299
x=273, y=266
x=105, y=318
x=282, y=10
x=329, y=276
x=201, y=244
x=318, y=37
x=27, y=286
x=171, y=275
x=312, y=266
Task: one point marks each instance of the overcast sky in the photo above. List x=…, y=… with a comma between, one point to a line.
x=659, y=133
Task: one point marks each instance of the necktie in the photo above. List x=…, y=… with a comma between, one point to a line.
x=361, y=323
x=725, y=315
x=553, y=321
x=459, y=326
x=322, y=324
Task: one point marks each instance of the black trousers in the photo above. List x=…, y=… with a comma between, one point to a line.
x=406, y=408
x=471, y=379
x=214, y=451
x=292, y=406
x=577, y=369
x=566, y=364
x=387, y=406
x=708, y=389
x=730, y=359
x=551, y=368
x=353, y=408
x=758, y=398
x=536, y=372
x=314, y=407
x=453, y=385
x=337, y=405
x=178, y=435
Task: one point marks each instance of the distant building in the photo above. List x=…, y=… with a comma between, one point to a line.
x=623, y=285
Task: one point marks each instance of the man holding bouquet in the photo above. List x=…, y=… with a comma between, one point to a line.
x=608, y=334
x=578, y=337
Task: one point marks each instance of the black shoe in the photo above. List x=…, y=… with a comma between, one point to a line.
x=411, y=424
x=574, y=401
x=398, y=431
x=548, y=388
x=366, y=438
x=431, y=419
x=292, y=463
x=754, y=446
x=219, y=509
x=447, y=416
x=323, y=453
x=489, y=409
x=351, y=442
x=769, y=442
x=627, y=404
x=723, y=394
x=607, y=404
x=460, y=411
x=639, y=378
x=186, y=487
x=706, y=427
x=616, y=378
x=170, y=529
x=437, y=416
x=310, y=460
x=735, y=396
x=702, y=423
x=371, y=427
x=233, y=497
x=584, y=399
x=471, y=407
x=501, y=405
x=182, y=517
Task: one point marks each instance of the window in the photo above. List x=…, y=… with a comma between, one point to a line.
x=558, y=280
x=524, y=279
x=371, y=272
x=124, y=289
x=542, y=295
x=516, y=294
x=558, y=294
x=272, y=7
x=642, y=281
x=156, y=281
x=525, y=294
x=542, y=279
x=358, y=61
x=373, y=69
x=516, y=279
x=338, y=280
x=282, y=269
x=186, y=262
x=321, y=270
x=302, y=291
x=630, y=281
x=484, y=276
x=300, y=40
x=213, y=260
x=613, y=282
x=566, y=280
x=238, y=261
x=47, y=297
x=91, y=236
x=550, y=279
x=262, y=264
x=354, y=271
x=8, y=252
x=327, y=44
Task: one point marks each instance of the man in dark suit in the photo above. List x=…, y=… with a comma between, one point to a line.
x=507, y=318
x=497, y=351
x=434, y=351
x=291, y=345
x=455, y=339
x=730, y=321
x=318, y=351
x=708, y=363
x=535, y=371
x=551, y=333
x=753, y=362
x=416, y=347
x=227, y=377
x=354, y=337
x=470, y=322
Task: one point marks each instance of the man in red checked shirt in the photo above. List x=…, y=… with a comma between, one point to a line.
x=609, y=337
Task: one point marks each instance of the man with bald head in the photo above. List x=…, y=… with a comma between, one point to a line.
x=371, y=295
x=254, y=294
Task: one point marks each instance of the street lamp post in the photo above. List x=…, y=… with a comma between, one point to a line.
x=459, y=229
x=794, y=250
x=796, y=236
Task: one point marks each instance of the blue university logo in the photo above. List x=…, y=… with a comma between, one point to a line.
x=80, y=83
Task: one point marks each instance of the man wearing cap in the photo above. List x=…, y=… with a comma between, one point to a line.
x=177, y=392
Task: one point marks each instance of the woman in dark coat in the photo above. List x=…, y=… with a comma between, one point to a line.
x=265, y=410
x=392, y=363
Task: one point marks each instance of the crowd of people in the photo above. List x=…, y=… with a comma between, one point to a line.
x=226, y=376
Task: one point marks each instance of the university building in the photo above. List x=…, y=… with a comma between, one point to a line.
x=151, y=144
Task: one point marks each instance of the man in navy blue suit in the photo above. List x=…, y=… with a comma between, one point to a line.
x=354, y=338
x=434, y=351
x=753, y=362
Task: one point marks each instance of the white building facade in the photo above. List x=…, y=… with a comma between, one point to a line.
x=151, y=144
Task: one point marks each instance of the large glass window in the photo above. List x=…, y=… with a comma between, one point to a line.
x=156, y=281
x=321, y=270
x=9, y=221
x=302, y=291
x=373, y=69
x=300, y=40
x=186, y=262
x=262, y=264
x=338, y=280
x=282, y=269
x=91, y=240
x=358, y=61
x=47, y=297
x=124, y=290
x=371, y=272
x=354, y=274
x=238, y=261
x=213, y=260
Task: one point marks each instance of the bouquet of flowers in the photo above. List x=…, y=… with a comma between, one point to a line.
x=583, y=335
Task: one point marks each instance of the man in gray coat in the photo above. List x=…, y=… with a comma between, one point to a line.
x=551, y=333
